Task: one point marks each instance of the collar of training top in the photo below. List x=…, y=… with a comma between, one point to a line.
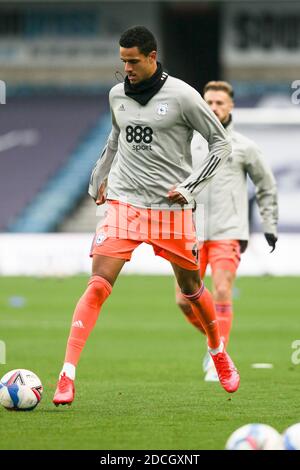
x=143, y=92
x=228, y=124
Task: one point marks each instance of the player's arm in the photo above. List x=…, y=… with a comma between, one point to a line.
x=199, y=116
x=199, y=151
x=101, y=170
x=266, y=192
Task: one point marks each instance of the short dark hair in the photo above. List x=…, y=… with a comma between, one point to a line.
x=141, y=37
x=219, y=86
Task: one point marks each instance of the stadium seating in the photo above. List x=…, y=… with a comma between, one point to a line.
x=39, y=134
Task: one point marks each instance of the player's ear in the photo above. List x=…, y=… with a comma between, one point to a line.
x=153, y=55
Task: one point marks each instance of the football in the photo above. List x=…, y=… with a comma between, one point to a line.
x=255, y=437
x=291, y=437
x=20, y=389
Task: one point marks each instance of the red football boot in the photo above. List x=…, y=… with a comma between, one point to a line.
x=65, y=391
x=227, y=372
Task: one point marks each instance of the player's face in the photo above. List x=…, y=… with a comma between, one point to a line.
x=220, y=103
x=137, y=66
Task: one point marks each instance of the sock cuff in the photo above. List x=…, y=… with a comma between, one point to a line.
x=99, y=279
x=217, y=350
x=223, y=307
x=196, y=295
x=69, y=369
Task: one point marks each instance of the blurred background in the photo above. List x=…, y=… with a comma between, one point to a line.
x=58, y=60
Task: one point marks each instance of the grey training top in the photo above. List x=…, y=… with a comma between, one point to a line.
x=148, y=150
x=225, y=198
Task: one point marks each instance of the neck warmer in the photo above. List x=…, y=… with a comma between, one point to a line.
x=227, y=123
x=143, y=92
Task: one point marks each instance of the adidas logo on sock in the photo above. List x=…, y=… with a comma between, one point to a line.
x=78, y=324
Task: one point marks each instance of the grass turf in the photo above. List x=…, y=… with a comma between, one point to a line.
x=139, y=382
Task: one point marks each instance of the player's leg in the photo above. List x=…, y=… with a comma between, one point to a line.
x=193, y=289
x=222, y=293
x=182, y=252
x=184, y=304
x=224, y=258
x=223, y=281
x=112, y=246
x=187, y=309
x=105, y=270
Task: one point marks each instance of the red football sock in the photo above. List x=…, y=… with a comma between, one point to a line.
x=186, y=307
x=194, y=320
x=224, y=316
x=204, y=310
x=85, y=316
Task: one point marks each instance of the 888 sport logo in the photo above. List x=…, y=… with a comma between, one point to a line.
x=142, y=136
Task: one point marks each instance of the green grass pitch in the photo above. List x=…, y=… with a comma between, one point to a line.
x=139, y=382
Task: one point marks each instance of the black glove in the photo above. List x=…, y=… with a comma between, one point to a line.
x=271, y=239
x=243, y=245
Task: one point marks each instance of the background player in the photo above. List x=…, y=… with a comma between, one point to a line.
x=225, y=201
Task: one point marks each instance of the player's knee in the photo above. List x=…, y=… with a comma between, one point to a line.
x=98, y=285
x=104, y=274
x=190, y=286
x=223, y=292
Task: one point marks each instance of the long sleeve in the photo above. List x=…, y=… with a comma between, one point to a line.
x=265, y=186
x=199, y=116
x=104, y=163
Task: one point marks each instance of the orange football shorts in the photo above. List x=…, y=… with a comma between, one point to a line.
x=170, y=232
x=220, y=254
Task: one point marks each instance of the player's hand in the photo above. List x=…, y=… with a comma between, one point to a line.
x=101, y=198
x=243, y=245
x=176, y=197
x=271, y=239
